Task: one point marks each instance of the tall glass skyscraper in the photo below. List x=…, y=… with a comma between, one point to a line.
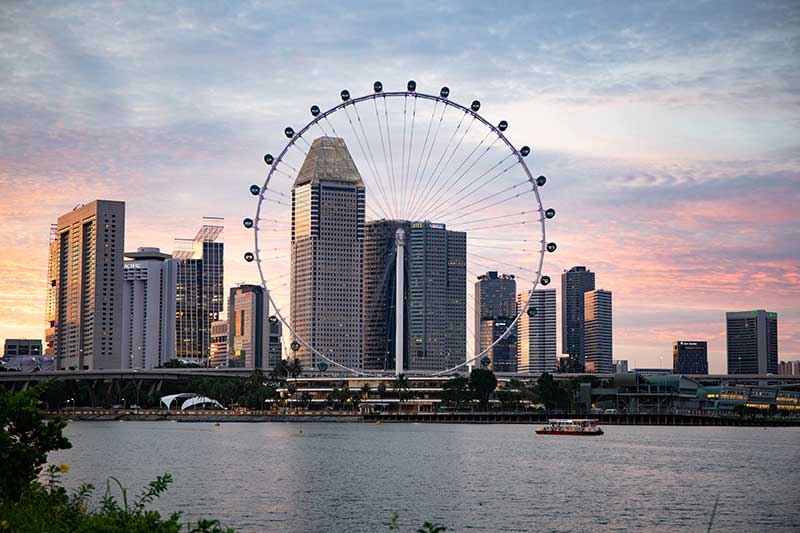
x=536, y=333
x=574, y=284
x=598, y=331
x=200, y=293
x=249, y=331
x=437, y=296
x=85, y=287
x=327, y=250
x=752, y=342
x=495, y=308
x=690, y=357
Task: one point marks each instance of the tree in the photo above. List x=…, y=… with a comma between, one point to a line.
x=482, y=383
x=281, y=370
x=455, y=391
x=25, y=439
x=382, y=390
x=549, y=392
x=365, y=390
x=402, y=385
x=294, y=367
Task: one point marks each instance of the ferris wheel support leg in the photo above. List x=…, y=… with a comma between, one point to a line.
x=399, y=302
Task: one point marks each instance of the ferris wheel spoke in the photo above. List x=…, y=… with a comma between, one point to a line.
x=423, y=176
x=333, y=129
x=395, y=187
x=453, y=204
x=376, y=171
x=370, y=167
x=389, y=177
x=433, y=179
x=403, y=155
x=422, y=153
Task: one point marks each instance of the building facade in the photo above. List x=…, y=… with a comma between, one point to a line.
x=536, y=332
x=495, y=304
x=25, y=347
x=148, y=309
x=84, y=308
x=690, y=357
x=752, y=338
x=199, y=293
x=575, y=282
x=598, y=345
x=218, y=357
x=437, y=296
x=380, y=303
x=249, y=328
x=620, y=366
x=327, y=256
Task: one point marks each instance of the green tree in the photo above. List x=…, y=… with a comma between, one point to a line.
x=381, y=390
x=25, y=439
x=456, y=391
x=294, y=367
x=482, y=383
x=365, y=390
x=281, y=370
x=402, y=385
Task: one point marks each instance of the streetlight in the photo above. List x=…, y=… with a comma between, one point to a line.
x=123, y=403
x=73, y=404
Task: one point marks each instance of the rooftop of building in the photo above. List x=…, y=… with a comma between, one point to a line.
x=328, y=160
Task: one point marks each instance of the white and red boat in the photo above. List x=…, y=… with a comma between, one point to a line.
x=581, y=427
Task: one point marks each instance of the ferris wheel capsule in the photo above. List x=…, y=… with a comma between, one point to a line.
x=525, y=150
x=444, y=92
x=268, y=159
x=248, y=256
x=503, y=126
x=541, y=180
x=289, y=132
x=476, y=105
x=550, y=212
x=411, y=86
x=345, y=95
x=377, y=87
x=545, y=280
x=314, y=110
x=485, y=361
x=247, y=223
x=295, y=346
x=532, y=311
x=255, y=189
x=551, y=247
x=273, y=319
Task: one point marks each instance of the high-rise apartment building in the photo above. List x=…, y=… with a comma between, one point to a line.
x=85, y=287
x=575, y=282
x=437, y=296
x=218, y=352
x=752, y=342
x=536, y=333
x=327, y=255
x=148, y=309
x=496, y=305
x=380, y=302
x=249, y=330
x=199, y=294
x=24, y=347
x=598, y=347
x=690, y=357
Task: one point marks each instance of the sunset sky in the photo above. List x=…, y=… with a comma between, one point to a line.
x=670, y=133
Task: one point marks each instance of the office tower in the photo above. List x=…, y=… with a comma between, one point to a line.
x=51, y=309
x=495, y=304
x=248, y=327
x=218, y=351
x=690, y=357
x=597, y=331
x=437, y=294
x=575, y=282
x=327, y=249
x=275, y=352
x=620, y=366
x=786, y=368
x=148, y=309
x=24, y=347
x=85, y=287
x=199, y=295
x=536, y=333
x=752, y=342
x=379, y=293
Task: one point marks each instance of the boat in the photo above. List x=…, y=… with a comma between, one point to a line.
x=580, y=427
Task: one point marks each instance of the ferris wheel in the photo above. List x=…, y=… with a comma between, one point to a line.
x=458, y=199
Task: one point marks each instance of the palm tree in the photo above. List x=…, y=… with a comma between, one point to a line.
x=365, y=390
x=294, y=367
x=401, y=384
x=281, y=370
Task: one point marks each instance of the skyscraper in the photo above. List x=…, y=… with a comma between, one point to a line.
x=199, y=295
x=248, y=327
x=495, y=308
x=752, y=342
x=148, y=305
x=574, y=284
x=690, y=357
x=437, y=289
x=327, y=249
x=380, y=303
x=536, y=333
x=598, y=345
x=85, y=291
x=218, y=351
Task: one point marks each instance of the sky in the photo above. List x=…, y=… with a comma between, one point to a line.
x=669, y=132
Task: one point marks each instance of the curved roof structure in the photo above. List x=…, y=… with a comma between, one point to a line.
x=328, y=160
x=190, y=399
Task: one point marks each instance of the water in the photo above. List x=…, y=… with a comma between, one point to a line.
x=352, y=477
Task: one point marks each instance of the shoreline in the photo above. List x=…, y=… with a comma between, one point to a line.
x=423, y=418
